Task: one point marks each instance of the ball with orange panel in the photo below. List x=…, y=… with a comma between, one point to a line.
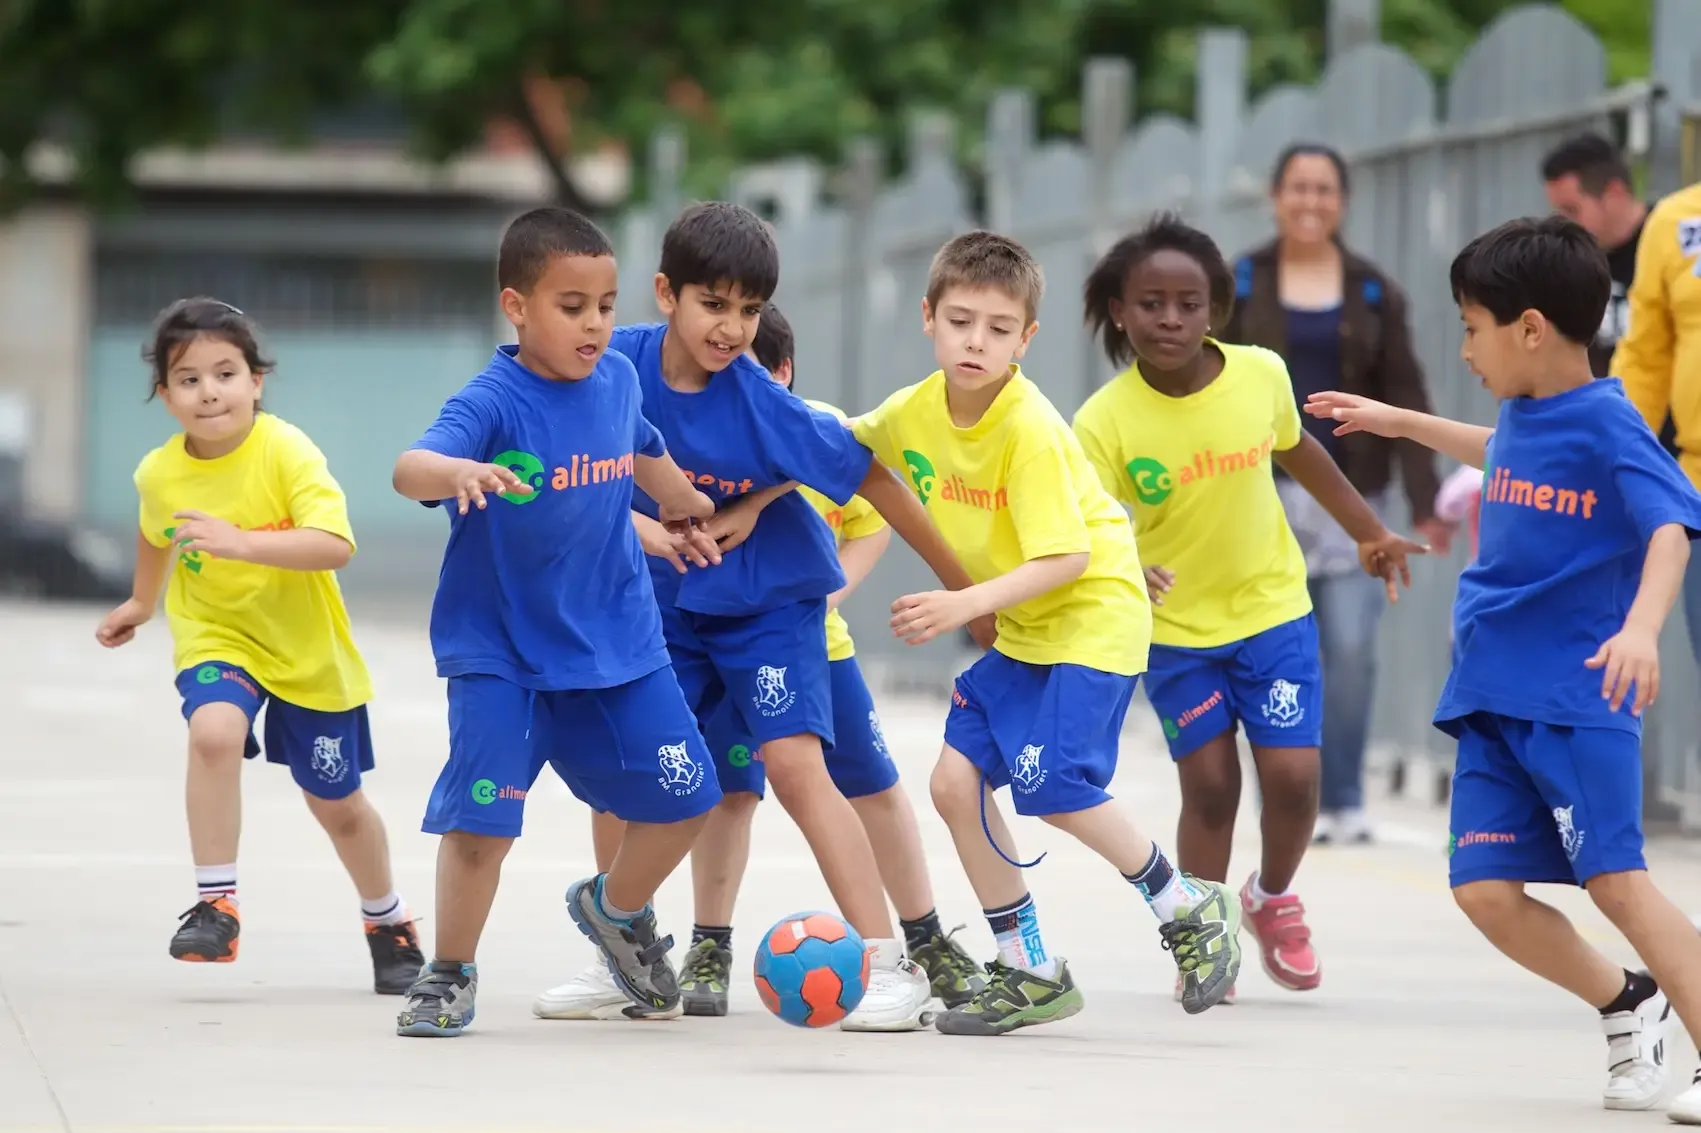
x=812, y=969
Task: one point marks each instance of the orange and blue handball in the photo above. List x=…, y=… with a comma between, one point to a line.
x=812, y=969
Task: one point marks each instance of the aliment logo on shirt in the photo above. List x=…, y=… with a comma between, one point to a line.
x=953, y=489
x=576, y=473
x=1500, y=486
x=1154, y=482
x=921, y=474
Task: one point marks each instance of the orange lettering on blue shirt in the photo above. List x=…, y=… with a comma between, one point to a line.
x=1504, y=488
x=708, y=480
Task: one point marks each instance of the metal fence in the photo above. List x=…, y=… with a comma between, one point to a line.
x=1432, y=165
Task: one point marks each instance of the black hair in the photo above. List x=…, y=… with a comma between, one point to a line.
x=1595, y=161
x=534, y=238
x=715, y=243
x=1550, y=264
x=774, y=344
x=1165, y=232
x=1310, y=149
x=188, y=319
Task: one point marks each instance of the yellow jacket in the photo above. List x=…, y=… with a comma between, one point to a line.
x=1659, y=357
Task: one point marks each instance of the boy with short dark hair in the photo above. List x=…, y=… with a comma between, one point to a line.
x=545, y=623
x=1585, y=531
x=749, y=630
x=1053, y=556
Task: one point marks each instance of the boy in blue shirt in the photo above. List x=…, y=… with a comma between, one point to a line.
x=749, y=630
x=1585, y=530
x=546, y=626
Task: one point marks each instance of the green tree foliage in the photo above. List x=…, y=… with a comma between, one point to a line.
x=111, y=78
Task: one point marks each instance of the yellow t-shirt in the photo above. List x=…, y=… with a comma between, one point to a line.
x=853, y=521
x=288, y=628
x=1196, y=473
x=1016, y=486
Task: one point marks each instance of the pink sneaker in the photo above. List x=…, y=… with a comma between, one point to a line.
x=1284, y=940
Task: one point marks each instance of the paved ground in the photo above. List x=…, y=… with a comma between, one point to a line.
x=1418, y=1025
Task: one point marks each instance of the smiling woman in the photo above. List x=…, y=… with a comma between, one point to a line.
x=1340, y=324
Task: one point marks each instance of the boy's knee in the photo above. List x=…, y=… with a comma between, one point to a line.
x=793, y=765
x=1617, y=894
x=738, y=806
x=218, y=732
x=476, y=851
x=955, y=786
x=1291, y=784
x=1489, y=904
x=341, y=818
x=1212, y=803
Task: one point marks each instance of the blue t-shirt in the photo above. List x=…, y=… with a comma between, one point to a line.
x=743, y=433
x=549, y=590
x=1314, y=362
x=1575, y=486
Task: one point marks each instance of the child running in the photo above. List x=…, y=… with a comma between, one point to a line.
x=749, y=630
x=243, y=527
x=1053, y=556
x=1585, y=530
x=546, y=626
x=1185, y=437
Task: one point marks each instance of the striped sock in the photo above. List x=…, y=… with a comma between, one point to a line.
x=386, y=910
x=215, y=881
x=1016, y=929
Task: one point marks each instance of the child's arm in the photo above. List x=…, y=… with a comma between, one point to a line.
x=152, y=564
x=857, y=558
x=1381, y=552
x=302, y=548
x=1632, y=655
x=899, y=507
x=665, y=482
x=1468, y=444
x=428, y=477
x=676, y=547
x=918, y=618
x=732, y=524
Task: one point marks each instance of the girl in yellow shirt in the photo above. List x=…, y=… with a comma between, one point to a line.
x=243, y=526
x=1186, y=438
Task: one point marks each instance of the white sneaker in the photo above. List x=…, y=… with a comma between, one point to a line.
x=1353, y=826
x=592, y=995
x=1324, y=832
x=1636, y=1054
x=1686, y=1107
x=899, y=997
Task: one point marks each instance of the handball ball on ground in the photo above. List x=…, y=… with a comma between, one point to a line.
x=812, y=970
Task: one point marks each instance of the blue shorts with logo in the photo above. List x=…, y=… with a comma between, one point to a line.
x=1271, y=684
x=1543, y=802
x=858, y=761
x=1049, y=732
x=769, y=668
x=633, y=750
x=326, y=751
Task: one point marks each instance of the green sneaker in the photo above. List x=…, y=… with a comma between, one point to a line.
x=955, y=976
x=1205, y=941
x=1013, y=998
x=705, y=972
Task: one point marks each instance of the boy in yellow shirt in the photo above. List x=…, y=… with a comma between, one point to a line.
x=1051, y=553
x=243, y=526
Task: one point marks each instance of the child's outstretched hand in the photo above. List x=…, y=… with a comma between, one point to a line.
x=1355, y=414
x=1385, y=558
x=119, y=626
x=677, y=543
x=1629, y=657
x=1158, y=582
x=919, y=618
x=475, y=479
x=733, y=524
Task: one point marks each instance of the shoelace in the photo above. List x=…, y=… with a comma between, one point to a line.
x=1180, y=938
x=958, y=961
x=201, y=914
x=705, y=965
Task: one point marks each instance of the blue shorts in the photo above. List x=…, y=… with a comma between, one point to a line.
x=326, y=751
x=632, y=750
x=858, y=761
x=1271, y=684
x=1050, y=732
x=768, y=668
x=1543, y=802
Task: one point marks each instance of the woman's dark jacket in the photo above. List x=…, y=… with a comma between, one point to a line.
x=1376, y=362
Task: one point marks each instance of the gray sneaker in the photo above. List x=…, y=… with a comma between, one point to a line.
x=636, y=957
x=440, y=1002
x=704, y=977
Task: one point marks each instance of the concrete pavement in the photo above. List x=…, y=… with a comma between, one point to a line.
x=1418, y=1025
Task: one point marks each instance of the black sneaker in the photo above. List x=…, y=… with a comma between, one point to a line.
x=396, y=958
x=955, y=976
x=208, y=933
x=704, y=976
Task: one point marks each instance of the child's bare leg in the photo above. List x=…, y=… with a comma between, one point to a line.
x=213, y=789
x=357, y=834
x=1210, y=799
x=720, y=857
x=1288, y=783
x=469, y=868
x=606, y=833
x=797, y=773
x=895, y=836
x=1540, y=939
x=1662, y=934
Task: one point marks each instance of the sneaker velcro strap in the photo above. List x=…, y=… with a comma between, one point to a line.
x=655, y=951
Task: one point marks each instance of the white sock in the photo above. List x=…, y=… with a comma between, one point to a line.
x=1260, y=894
x=215, y=881
x=1165, y=888
x=386, y=910
x=1016, y=929
x=609, y=910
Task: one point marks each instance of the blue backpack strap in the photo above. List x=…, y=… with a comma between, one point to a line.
x=1243, y=278
x=1372, y=292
